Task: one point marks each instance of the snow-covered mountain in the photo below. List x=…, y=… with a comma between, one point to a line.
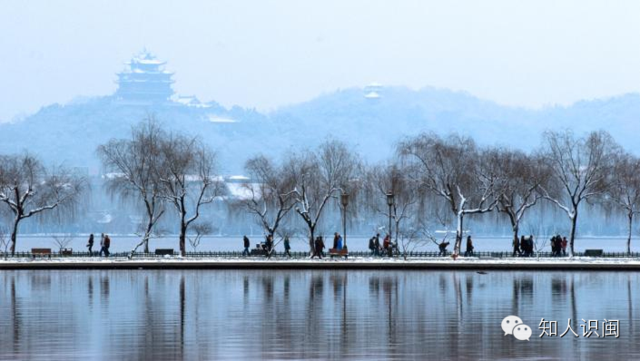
x=371, y=124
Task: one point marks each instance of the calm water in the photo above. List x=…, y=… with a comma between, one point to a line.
x=125, y=244
x=165, y=315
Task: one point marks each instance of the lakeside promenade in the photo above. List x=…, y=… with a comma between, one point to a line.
x=356, y=263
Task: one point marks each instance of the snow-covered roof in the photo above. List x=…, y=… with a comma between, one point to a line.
x=219, y=119
x=372, y=95
x=242, y=191
x=238, y=178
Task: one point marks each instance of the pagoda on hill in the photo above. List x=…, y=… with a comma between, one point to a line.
x=144, y=81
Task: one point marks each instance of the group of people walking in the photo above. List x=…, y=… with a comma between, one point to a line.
x=523, y=247
x=558, y=246
x=267, y=246
x=442, y=247
x=105, y=243
x=377, y=249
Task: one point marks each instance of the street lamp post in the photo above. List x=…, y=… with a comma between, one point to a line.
x=344, y=200
x=390, y=204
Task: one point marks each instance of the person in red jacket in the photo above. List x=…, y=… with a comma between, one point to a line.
x=107, y=244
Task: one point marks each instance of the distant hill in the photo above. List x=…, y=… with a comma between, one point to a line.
x=372, y=125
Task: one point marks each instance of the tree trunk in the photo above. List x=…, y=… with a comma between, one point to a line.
x=14, y=235
x=456, y=249
x=574, y=221
x=311, y=240
x=145, y=238
x=183, y=235
x=183, y=247
x=516, y=230
x=630, y=215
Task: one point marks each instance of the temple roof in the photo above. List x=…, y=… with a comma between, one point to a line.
x=145, y=78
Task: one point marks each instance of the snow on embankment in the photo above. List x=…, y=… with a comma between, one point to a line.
x=577, y=263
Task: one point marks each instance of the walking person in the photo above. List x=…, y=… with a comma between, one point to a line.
x=287, y=246
x=443, y=248
x=246, y=244
x=563, y=244
x=319, y=246
x=90, y=245
x=376, y=245
x=469, y=251
x=530, y=245
x=107, y=244
x=516, y=246
x=386, y=243
x=372, y=245
x=102, y=250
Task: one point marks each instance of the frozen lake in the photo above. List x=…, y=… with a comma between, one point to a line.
x=126, y=243
x=355, y=315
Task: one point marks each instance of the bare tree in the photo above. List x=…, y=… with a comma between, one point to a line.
x=455, y=170
x=624, y=190
x=28, y=189
x=133, y=172
x=270, y=194
x=407, y=195
x=199, y=230
x=518, y=186
x=580, y=168
x=319, y=178
x=188, y=180
x=62, y=240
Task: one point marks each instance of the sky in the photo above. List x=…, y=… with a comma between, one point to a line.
x=269, y=53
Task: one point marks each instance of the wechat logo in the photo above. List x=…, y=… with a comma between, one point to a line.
x=513, y=325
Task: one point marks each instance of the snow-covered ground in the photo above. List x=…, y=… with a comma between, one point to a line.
x=352, y=262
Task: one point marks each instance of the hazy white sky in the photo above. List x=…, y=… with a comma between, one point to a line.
x=269, y=53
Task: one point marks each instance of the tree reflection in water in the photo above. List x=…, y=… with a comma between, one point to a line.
x=308, y=314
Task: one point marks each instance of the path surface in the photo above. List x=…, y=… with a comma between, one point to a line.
x=576, y=263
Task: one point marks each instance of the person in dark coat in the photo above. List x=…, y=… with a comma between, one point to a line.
x=376, y=245
x=90, y=245
x=335, y=240
x=102, y=249
x=530, y=245
x=372, y=245
x=319, y=246
x=443, y=248
x=246, y=243
x=516, y=246
x=287, y=246
x=469, y=251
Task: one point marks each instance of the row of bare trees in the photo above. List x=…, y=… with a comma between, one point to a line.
x=435, y=181
x=439, y=180
x=157, y=170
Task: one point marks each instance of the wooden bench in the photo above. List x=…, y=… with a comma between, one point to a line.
x=66, y=251
x=40, y=252
x=164, y=251
x=258, y=252
x=593, y=253
x=339, y=252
